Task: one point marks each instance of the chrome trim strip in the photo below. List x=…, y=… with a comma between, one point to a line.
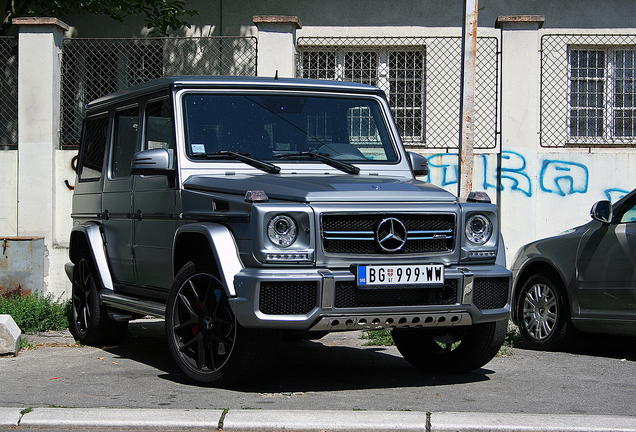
x=328, y=289
x=468, y=282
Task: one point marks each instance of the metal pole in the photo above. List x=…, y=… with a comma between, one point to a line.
x=467, y=102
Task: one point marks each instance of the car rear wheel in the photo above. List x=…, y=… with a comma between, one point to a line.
x=543, y=314
x=91, y=324
x=451, y=350
x=205, y=339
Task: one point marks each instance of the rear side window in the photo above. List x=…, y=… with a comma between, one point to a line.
x=95, y=132
x=125, y=146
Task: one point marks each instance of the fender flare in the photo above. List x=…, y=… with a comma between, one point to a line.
x=224, y=249
x=92, y=232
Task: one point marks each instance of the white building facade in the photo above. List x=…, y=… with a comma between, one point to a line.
x=555, y=99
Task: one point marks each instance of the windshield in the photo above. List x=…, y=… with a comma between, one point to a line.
x=263, y=126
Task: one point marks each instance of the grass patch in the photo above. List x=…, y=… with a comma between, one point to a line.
x=377, y=338
x=35, y=313
x=512, y=338
x=383, y=338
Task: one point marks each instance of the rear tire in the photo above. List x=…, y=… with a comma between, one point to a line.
x=205, y=339
x=90, y=322
x=451, y=350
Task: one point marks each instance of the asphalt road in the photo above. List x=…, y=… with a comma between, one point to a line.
x=598, y=376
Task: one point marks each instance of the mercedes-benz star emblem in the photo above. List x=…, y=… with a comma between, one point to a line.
x=391, y=234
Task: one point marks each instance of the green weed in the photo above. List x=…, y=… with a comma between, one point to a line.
x=35, y=313
x=377, y=338
x=383, y=338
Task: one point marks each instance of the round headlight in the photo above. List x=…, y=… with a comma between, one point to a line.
x=478, y=229
x=281, y=230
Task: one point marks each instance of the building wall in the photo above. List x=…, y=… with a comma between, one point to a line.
x=235, y=17
x=545, y=190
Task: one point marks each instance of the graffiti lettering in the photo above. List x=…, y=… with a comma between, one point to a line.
x=447, y=163
x=513, y=166
x=557, y=177
x=614, y=195
x=563, y=178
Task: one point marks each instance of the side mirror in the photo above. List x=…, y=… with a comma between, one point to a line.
x=153, y=162
x=602, y=211
x=419, y=164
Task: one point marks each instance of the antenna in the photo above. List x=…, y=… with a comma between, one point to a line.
x=276, y=76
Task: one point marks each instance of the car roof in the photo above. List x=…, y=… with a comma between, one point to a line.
x=230, y=82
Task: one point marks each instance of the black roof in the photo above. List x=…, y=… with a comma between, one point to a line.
x=250, y=82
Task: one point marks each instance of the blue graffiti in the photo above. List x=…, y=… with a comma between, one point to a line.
x=563, y=178
x=513, y=166
x=447, y=162
x=614, y=195
x=556, y=176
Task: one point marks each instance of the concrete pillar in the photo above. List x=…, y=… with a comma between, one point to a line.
x=520, y=116
x=39, y=85
x=40, y=49
x=277, y=45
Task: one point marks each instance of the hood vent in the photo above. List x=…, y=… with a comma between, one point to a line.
x=221, y=206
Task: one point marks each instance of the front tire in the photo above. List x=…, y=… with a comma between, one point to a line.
x=543, y=314
x=91, y=324
x=451, y=350
x=205, y=339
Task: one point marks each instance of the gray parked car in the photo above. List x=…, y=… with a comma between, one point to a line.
x=243, y=209
x=581, y=280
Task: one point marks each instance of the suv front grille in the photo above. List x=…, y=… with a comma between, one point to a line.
x=357, y=234
x=349, y=296
x=288, y=298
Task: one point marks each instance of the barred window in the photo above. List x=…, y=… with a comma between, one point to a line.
x=399, y=72
x=602, y=95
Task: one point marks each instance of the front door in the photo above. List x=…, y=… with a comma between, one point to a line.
x=155, y=206
x=606, y=267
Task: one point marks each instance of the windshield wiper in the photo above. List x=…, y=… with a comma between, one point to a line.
x=243, y=157
x=342, y=166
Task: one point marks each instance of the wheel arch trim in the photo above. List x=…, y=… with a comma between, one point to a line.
x=92, y=234
x=223, y=247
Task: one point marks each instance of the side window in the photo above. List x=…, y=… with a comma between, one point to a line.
x=93, y=148
x=628, y=212
x=125, y=145
x=159, y=129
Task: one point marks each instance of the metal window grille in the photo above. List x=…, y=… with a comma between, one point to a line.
x=96, y=67
x=8, y=93
x=588, y=95
x=421, y=77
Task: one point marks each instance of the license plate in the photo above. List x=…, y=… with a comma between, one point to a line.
x=431, y=275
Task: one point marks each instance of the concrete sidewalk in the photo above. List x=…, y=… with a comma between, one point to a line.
x=270, y=420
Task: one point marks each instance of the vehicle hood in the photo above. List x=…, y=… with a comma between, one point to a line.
x=554, y=248
x=323, y=188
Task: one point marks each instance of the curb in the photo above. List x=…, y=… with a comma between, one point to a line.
x=330, y=420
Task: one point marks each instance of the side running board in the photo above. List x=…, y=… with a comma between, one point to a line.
x=134, y=305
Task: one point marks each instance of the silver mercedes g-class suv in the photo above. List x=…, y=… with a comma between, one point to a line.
x=245, y=209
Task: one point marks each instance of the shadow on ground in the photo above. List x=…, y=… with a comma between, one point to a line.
x=300, y=366
x=607, y=346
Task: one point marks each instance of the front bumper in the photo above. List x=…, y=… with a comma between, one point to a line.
x=329, y=300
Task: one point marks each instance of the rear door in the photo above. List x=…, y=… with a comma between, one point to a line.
x=117, y=196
